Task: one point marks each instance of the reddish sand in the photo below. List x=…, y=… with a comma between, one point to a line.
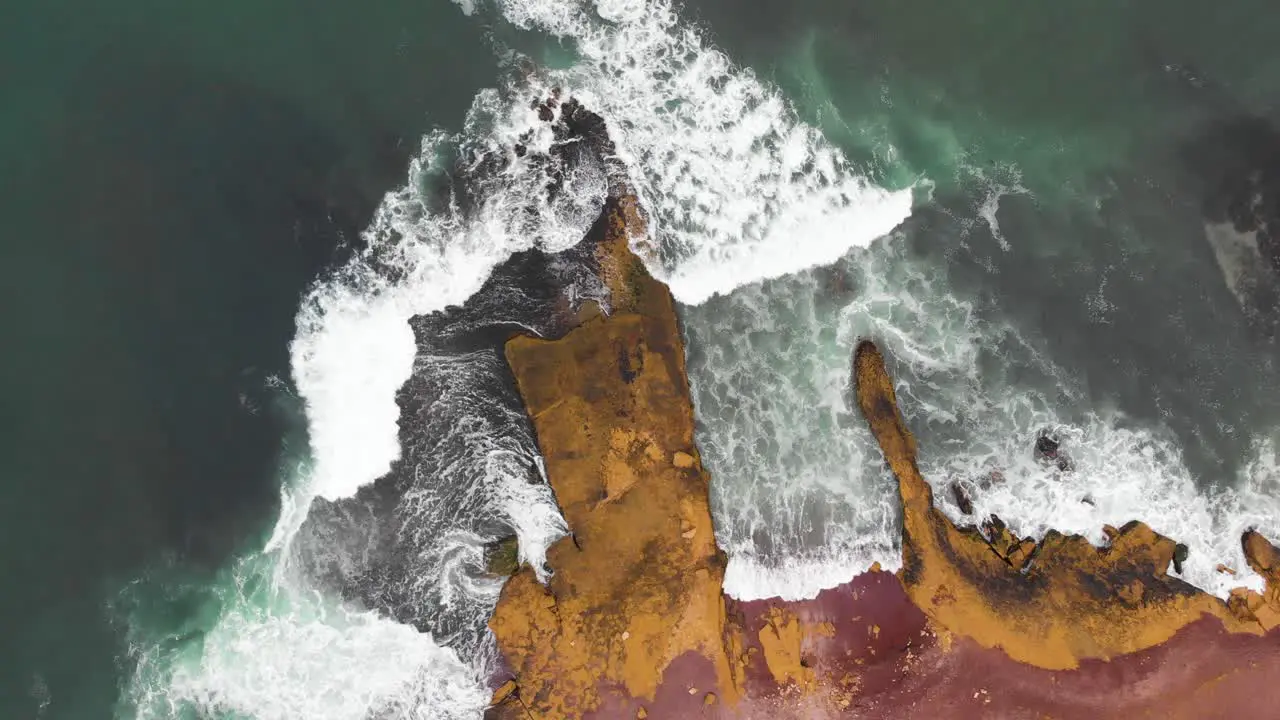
x=893, y=666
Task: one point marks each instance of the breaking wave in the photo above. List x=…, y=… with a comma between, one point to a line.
x=369, y=597
x=801, y=497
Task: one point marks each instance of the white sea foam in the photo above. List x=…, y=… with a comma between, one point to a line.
x=738, y=189
x=997, y=182
x=297, y=653
x=354, y=346
x=1239, y=256
x=1124, y=472
x=801, y=498
x=794, y=578
x=1120, y=473
x=279, y=653
x=793, y=487
x=1255, y=503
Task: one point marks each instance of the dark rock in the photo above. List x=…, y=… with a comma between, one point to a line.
x=1046, y=445
x=1048, y=450
x=995, y=477
x=1180, y=553
x=961, y=495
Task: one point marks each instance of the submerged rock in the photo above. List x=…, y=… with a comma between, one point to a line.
x=961, y=495
x=503, y=556
x=1237, y=160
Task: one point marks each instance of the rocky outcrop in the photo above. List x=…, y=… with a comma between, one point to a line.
x=1050, y=604
x=1264, y=559
x=636, y=586
x=979, y=623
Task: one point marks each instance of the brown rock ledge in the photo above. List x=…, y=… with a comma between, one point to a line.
x=633, y=624
x=636, y=587
x=1070, y=602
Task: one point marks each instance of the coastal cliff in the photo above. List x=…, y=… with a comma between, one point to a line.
x=978, y=623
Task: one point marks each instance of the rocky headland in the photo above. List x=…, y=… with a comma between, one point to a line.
x=632, y=622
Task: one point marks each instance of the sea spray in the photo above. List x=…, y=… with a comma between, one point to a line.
x=743, y=179
x=737, y=188
x=273, y=651
x=302, y=633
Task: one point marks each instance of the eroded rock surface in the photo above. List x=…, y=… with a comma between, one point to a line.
x=637, y=584
x=1050, y=604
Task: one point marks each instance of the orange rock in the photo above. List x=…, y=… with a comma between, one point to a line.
x=1261, y=555
x=1264, y=559
x=1267, y=615
x=1062, y=607
x=610, y=405
x=781, y=639
x=682, y=459
x=1020, y=554
x=504, y=692
x=1238, y=604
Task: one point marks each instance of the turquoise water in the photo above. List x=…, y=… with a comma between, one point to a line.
x=1061, y=275
x=175, y=175
x=179, y=175
x=1087, y=113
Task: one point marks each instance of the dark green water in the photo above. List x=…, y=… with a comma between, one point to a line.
x=1108, y=132
x=1080, y=106
x=174, y=177
x=1091, y=110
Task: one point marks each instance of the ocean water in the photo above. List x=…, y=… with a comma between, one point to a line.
x=175, y=177
x=1064, y=275
x=287, y=245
